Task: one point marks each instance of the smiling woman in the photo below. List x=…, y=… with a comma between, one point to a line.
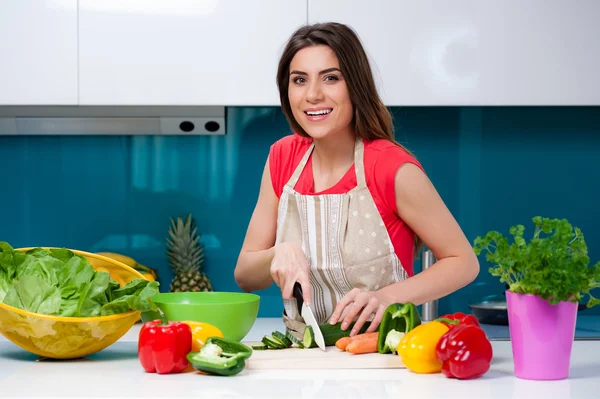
x=317, y=102
x=342, y=206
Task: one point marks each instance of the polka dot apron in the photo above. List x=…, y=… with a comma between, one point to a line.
x=344, y=239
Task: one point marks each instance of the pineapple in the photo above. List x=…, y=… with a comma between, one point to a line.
x=186, y=257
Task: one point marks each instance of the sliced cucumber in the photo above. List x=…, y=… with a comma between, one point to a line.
x=260, y=347
x=331, y=334
x=272, y=342
x=284, y=340
x=308, y=340
x=295, y=340
x=281, y=343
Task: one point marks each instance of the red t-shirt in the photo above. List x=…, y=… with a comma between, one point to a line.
x=381, y=161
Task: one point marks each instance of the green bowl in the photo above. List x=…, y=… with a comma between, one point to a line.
x=234, y=313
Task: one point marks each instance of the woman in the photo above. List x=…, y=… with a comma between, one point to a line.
x=342, y=206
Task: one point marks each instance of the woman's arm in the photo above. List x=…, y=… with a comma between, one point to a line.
x=421, y=208
x=252, y=271
x=261, y=262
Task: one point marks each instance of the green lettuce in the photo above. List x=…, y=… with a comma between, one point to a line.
x=59, y=282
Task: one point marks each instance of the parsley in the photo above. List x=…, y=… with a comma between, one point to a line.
x=552, y=265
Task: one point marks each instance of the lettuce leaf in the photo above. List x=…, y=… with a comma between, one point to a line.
x=7, y=268
x=61, y=283
x=34, y=294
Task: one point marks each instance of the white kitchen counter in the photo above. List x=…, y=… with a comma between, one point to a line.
x=116, y=372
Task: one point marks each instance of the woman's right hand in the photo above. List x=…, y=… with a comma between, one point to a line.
x=288, y=266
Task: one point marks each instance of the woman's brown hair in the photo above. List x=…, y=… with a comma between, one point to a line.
x=372, y=120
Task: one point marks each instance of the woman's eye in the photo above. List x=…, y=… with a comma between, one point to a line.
x=331, y=78
x=298, y=80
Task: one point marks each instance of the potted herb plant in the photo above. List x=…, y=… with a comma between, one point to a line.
x=547, y=278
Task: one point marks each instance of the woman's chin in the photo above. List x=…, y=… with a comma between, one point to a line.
x=318, y=133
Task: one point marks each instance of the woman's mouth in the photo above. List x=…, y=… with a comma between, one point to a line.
x=316, y=115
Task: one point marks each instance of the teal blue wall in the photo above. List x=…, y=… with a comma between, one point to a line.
x=494, y=167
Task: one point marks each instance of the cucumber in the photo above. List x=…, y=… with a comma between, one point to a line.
x=308, y=340
x=277, y=340
x=272, y=342
x=260, y=347
x=284, y=340
x=331, y=333
x=282, y=344
x=295, y=340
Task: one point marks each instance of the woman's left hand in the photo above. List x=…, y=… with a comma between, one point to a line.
x=361, y=302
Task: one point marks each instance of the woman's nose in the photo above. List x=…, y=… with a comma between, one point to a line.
x=314, y=93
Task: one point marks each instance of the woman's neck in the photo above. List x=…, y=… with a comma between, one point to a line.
x=334, y=152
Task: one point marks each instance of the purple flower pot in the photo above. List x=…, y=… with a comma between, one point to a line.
x=541, y=336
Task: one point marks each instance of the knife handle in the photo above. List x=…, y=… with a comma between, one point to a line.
x=297, y=293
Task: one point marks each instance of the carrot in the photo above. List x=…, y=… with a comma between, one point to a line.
x=365, y=344
x=365, y=335
x=342, y=343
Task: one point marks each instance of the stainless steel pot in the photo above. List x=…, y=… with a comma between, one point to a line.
x=492, y=310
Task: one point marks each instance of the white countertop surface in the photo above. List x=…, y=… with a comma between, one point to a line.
x=116, y=372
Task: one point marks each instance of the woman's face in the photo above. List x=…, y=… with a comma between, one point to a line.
x=318, y=93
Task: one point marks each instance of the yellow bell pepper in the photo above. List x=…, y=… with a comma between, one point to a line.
x=201, y=332
x=417, y=348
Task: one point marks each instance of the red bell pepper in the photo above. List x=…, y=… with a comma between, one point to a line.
x=465, y=352
x=454, y=319
x=163, y=348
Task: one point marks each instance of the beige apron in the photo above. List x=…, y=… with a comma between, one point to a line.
x=344, y=239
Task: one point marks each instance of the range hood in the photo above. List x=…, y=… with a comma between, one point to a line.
x=112, y=120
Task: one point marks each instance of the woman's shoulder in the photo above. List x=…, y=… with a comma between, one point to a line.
x=284, y=156
x=385, y=154
x=383, y=158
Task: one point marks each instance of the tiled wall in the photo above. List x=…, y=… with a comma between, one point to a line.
x=494, y=167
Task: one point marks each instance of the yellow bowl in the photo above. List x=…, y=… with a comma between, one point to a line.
x=60, y=337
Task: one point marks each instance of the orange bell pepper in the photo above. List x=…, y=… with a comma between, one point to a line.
x=418, y=347
x=201, y=332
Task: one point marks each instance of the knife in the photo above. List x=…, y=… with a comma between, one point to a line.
x=308, y=316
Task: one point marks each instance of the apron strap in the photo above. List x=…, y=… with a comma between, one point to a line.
x=296, y=175
x=359, y=164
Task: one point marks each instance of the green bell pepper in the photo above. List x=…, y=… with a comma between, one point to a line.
x=220, y=356
x=398, y=319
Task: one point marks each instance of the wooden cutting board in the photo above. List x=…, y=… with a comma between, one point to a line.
x=315, y=358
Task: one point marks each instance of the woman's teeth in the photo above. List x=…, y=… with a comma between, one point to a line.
x=320, y=112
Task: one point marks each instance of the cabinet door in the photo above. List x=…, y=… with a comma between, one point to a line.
x=38, y=48
x=468, y=52
x=181, y=52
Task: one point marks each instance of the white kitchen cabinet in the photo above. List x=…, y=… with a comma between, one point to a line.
x=183, y=52
x=469, y=52
x=38, y=52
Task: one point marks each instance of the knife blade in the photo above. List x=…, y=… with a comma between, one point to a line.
x=308, y=316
